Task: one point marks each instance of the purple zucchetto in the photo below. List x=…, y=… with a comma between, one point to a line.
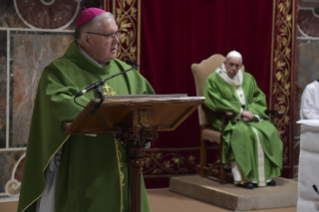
x=87, y=15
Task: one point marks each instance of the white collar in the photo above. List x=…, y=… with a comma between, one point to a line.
x=88, y=56
x=235, y=82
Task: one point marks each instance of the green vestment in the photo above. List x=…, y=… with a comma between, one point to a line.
x=93, y=173
x=240, y=139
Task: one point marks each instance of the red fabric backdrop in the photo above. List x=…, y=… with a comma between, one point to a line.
x=175, y=34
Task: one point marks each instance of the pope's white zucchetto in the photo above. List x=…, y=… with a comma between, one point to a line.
x=235, y=54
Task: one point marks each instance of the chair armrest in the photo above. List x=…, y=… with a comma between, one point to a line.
x=274, y=113
x=227, y=115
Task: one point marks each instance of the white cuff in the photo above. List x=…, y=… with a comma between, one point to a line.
x=239, y=115
x=257, y=117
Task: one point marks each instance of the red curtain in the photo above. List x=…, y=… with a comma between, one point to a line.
x=177, y=33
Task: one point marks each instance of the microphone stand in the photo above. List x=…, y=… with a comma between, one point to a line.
x=98, y=86
x=100, y=91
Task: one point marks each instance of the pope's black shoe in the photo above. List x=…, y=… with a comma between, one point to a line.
x=271, y=183
x=247, y=185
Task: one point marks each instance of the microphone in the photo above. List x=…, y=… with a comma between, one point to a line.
x=131, y=62
x=100, y=82
x=315, y=188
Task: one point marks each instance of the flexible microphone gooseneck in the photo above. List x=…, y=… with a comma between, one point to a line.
x=101, y=82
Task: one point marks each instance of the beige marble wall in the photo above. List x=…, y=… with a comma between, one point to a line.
x=31, y=53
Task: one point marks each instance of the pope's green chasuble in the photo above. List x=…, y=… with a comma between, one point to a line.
x=255, y=145
x=93, y=174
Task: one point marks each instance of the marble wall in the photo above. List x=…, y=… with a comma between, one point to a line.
x=307, y=62
x=9, y=18
x=32, y=51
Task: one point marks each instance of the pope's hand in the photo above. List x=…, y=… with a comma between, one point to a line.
x=247, y=115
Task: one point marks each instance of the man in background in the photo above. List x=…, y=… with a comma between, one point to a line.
x=251, y=143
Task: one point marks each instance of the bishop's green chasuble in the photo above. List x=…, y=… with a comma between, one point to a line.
x=93, y=173
x=240, y=140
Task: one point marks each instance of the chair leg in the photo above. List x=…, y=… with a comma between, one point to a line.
x=203, y=154
x=222, y=174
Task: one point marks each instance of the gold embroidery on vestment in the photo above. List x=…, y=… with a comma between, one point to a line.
x=122, y=176
x=108, y=91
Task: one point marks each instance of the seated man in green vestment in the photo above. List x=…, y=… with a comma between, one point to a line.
x=82, y=173
x=251, y=143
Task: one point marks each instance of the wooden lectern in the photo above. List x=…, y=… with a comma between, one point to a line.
x=135, y=120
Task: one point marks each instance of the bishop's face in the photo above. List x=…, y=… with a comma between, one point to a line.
x=102, y=48
x=232, y=65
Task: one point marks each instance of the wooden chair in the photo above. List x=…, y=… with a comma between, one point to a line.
x=201, y=72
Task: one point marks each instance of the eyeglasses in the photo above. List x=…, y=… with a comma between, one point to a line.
x=109, y=36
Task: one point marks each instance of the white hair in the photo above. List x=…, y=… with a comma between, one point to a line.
x=235, y=54
x=92, y=25
x=95, y=23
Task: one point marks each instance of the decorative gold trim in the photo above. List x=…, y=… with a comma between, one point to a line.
x=44, y=170
x=169, y=163
x=117, y=151
x=282, y=67
x=127, y=15
x=139, y=32
x=56, y=152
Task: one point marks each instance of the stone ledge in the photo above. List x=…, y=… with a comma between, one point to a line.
x=229, y=196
